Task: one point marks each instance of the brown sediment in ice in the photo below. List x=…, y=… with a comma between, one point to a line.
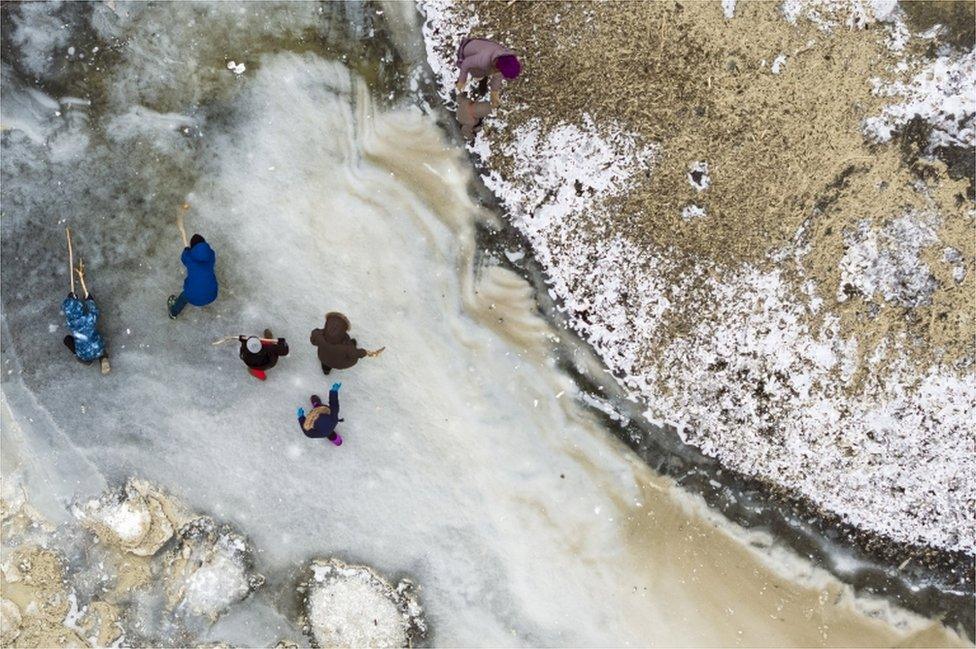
x=676, y=538
x=690, y=574
x=143, y=541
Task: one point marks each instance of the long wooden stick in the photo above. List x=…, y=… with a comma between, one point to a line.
x=71, y=260
x=184, y=208
x=227, y=339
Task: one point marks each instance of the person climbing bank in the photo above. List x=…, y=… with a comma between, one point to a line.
x=488, y=61
x=336, y=350
x=261, y=354
x=82, y=319
x=322, y=420
x=200, y=285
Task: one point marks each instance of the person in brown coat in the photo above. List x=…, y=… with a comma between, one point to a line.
x=336, y=350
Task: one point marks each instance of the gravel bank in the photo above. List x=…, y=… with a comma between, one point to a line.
x=741, y=213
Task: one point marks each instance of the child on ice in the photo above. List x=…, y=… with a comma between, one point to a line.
x=82, y=319
x=336, y=349
x=84, y=342
x=200, y=285
x=321, y=419
x=261, y=354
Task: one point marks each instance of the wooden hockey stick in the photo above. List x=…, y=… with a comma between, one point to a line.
x=227, y=339
x=184, y=208
x=71, y=260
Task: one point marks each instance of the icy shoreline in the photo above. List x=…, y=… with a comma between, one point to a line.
x=468, y=463
x=156, y=572
x=894, y=461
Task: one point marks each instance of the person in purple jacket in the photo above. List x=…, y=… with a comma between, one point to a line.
x=488, y=61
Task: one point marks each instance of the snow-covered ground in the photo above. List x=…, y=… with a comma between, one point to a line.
x=468, y=463
x=756, y=384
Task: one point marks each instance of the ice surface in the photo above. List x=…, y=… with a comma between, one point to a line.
x=353, y=606
x=209, y=569
x=467, y=462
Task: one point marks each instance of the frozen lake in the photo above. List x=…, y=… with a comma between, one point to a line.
x=468, y=462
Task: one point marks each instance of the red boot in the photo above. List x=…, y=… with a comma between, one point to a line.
x=258, y=374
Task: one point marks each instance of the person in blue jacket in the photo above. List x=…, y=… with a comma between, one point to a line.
x=200, y=285
x=82, y=318
x=321, y=419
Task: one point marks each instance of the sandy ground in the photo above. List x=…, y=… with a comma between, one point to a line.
x=709, y=194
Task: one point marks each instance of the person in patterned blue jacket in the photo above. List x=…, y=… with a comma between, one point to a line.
x=82, y=317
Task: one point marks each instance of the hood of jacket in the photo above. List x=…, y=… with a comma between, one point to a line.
x=336, y=327
x=202, y=253
x=313, y=416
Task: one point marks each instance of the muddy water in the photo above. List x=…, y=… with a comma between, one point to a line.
x=468, y=462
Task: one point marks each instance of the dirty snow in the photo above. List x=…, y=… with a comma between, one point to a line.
x=208, y=570
x=698, y=176
x=728, y=9
x=942, y=94
x=753, y=386
x=888, y=262
x=778, y=64
x=353, y=606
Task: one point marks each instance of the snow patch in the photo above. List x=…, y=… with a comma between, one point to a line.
x=698, y=176
x=941, y=93
x=728, y=9
x=954, y=258
x=888, y=262
x=778, y=64
x=132, y=518
x=354, y=606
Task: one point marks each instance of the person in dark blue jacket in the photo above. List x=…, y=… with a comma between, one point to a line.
x=200, y=285
x=81, y=317
x=321, y=419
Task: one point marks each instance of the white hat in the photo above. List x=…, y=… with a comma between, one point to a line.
x=253, y=344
